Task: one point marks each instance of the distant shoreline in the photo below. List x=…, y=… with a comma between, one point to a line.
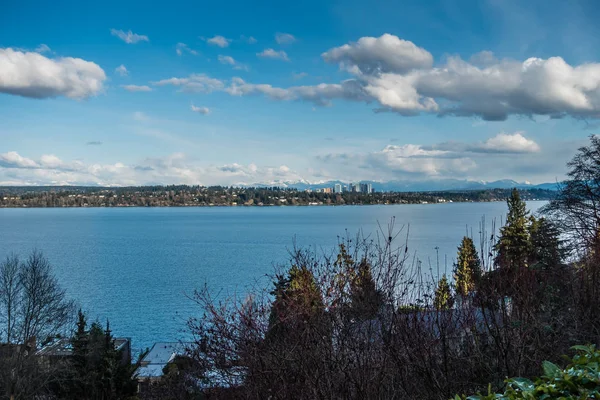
x=266, y=205
x=186, y=196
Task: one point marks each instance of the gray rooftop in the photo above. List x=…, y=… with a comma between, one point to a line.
x=64, y=348
x=158, y=357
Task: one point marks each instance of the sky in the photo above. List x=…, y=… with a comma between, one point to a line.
x=238, y=92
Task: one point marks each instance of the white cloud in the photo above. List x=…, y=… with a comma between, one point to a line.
x=284, y=38
x=12, y=159
x=396, y=75
x=408, y=160
x=502, y=143
x=200, y=110
x=299, y=75
x=498, y=157
x=319, y=94
x=195, y=83
x=31, y=74
x=273, y=54
x=171, y=169
x=228, y=60
x=42, y=48
x=510, y=143
x=248, y=39
x=129, y=37
x=122, y=70
x=219, y=41
x=137, y=88
x=181, y=48
x=387, y=53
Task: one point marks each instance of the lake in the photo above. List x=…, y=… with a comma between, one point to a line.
x=135, y=266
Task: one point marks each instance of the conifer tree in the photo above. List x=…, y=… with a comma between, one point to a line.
x=467, y=271
x=513, y=247
x=298, y=302
x=443, y=295
x=365, y=299
x=546, y=246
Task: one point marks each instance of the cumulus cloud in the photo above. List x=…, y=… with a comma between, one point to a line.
x=42, y=48
x=387, y=53
x=284, y=38
x=319, y=94
x=498, y=157
x=218, y=41
x=12, y=159
x=195, y=83
x=395, y=75
x=122, y=70
x=181, y=48
x=137, y=88
x=30, y=74
x=509, y=143
x=129, y=37
x=502, y=143
x=228, y=60
x=200, y=110
x=406, y=160
x=273, y=54
x=172, y=169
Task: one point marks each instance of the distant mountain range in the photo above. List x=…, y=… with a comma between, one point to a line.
x=422, y=186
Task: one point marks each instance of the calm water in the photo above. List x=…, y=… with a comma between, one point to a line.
x=135, y=265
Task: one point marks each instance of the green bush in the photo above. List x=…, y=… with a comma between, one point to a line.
x=579, y=380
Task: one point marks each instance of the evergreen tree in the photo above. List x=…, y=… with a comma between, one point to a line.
x=467, y=271
x=443, y=295
x=298, y=302
x=546, y=246
x=98, y=371
x=365, y=299
x=513, y=247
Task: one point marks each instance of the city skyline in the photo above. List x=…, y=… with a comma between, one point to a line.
x=258, y=93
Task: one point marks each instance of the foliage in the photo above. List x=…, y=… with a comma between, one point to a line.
x=514, y=244
x=443, y=295
x=98, y=370
x=467, y=271
x=578, y=380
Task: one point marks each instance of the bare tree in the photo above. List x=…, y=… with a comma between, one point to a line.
x=33, y=309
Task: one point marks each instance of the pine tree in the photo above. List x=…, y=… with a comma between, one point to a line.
x=546, y=246
x=298, y=302
x=365, y=299
x=514, y=244
x=467, y=271
x=443, y=295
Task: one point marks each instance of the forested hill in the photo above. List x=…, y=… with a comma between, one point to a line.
x=173, y=196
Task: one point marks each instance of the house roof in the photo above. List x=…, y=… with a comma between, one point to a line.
x=64, y=348
x=158, y=357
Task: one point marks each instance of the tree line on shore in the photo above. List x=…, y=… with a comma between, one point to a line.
x=186, y=196
x=367, y=321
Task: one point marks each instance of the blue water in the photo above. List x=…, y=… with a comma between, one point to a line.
x=135, y=266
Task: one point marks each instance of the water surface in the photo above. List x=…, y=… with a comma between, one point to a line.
x=136, y=265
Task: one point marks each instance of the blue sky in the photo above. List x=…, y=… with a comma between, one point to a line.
x=125, y=93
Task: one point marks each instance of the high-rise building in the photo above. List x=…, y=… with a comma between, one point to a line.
x=363, y=188
x=369, y=188
x=337, y=188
